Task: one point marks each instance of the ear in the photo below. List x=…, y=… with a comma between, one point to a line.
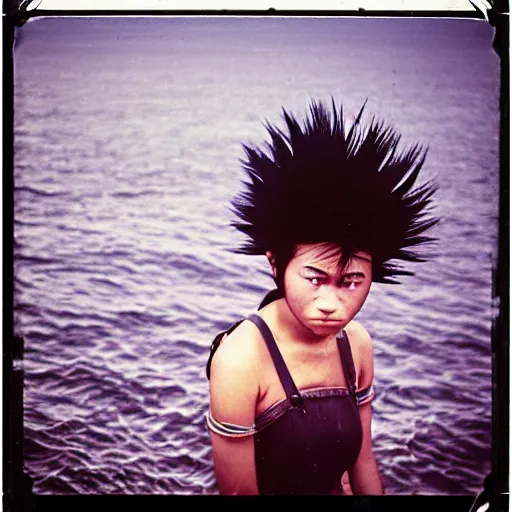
x=272, y=262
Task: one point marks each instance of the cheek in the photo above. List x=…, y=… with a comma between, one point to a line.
x=298, y=291
x=358, y=298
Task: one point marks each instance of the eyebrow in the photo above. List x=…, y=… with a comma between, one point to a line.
x=317, y=270
x=326, y=274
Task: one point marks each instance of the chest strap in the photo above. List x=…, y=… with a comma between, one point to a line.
x=292, y=393
x=347, y=362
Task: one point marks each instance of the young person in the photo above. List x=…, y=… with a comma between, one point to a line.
x=291, y=386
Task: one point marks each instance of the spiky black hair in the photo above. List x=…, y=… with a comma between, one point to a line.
x=316, y=183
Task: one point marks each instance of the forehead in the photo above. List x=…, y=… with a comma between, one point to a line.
x=327, y=256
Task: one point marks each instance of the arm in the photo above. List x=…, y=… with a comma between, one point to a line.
x=364, y=475
x=233, y=395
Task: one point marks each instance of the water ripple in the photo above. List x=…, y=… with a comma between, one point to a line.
x=124, y=270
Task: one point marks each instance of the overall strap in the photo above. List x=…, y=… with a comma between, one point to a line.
x=290, y=389
x=347, y=361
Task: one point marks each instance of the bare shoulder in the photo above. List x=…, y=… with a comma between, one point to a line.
x=362, y=352
x=358, y=336
x=238, y=350
x=234, y=379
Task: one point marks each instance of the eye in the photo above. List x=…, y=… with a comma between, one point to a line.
x=352, y=281
x=315, y=281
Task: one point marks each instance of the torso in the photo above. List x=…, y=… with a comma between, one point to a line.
x=304, y=449
x=301, y=448
x=311, y=367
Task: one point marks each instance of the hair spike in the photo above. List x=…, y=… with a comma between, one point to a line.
x=318, y=183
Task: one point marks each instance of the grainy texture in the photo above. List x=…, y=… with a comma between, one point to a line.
x=127, y=140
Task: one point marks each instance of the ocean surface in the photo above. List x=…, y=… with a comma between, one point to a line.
x=128, y=137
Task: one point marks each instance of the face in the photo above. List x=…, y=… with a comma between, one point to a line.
x=321, y=297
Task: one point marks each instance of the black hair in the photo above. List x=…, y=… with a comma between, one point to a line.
x=317, y=183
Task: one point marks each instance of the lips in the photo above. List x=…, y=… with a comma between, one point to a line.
x=327, y=323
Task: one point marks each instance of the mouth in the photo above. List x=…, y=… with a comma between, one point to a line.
x=327, y=322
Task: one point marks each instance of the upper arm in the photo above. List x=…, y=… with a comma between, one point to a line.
x=363, y=361
x=364, y=475
x=233, y=395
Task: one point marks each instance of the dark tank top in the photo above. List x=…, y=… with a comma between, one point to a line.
x=305, y=442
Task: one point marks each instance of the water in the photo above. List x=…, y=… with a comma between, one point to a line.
x=127, y=140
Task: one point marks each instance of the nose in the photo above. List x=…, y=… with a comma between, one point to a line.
x=328, y=302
